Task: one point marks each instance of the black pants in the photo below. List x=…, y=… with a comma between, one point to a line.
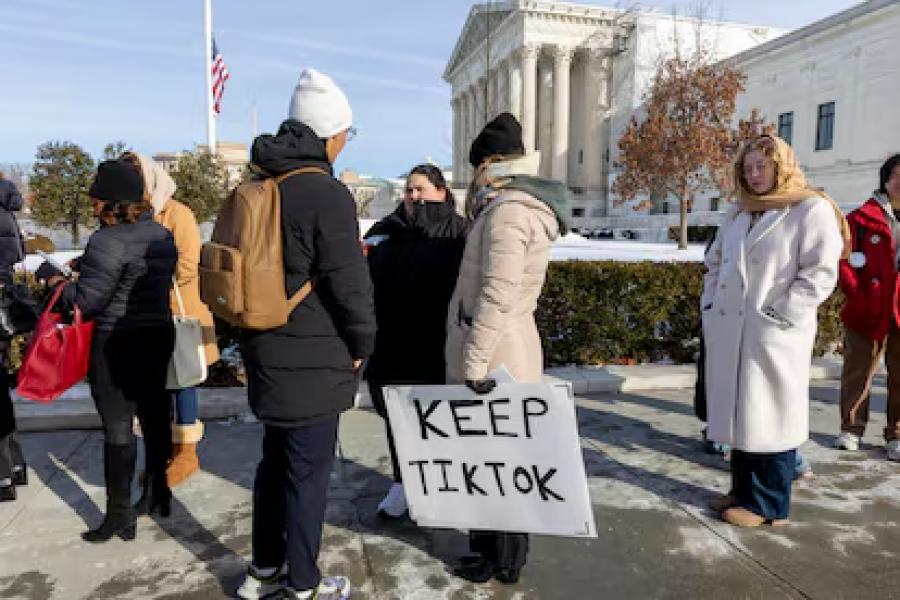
x=507, y=550
x=289, y=498
x=380, y=407
x=10, y=450
x=128, y=378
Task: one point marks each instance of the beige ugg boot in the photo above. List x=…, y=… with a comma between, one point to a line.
x=184, y=452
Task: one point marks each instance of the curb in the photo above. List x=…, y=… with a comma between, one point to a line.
x=75, y=409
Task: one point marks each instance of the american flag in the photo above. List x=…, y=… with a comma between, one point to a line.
x=219, y=77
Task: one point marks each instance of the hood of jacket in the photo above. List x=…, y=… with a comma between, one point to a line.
x=10, y=198
x=554, y=194
x=295, y=146
x=433, y=219
x=158, y=184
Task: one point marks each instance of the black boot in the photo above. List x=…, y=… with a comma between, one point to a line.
x=7, y=493
x=20, y=475
x=157, y=497
x=476, y=570
x=118, y=463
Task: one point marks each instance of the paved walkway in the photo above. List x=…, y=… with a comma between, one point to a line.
x=649, y=482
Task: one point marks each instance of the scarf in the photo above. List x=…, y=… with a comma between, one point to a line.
x=790, y=188
x=158, y=184
x=490, y=177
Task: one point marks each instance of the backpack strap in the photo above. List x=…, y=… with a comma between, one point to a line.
x=301, y=294
x=303, y=171
x=307, y=288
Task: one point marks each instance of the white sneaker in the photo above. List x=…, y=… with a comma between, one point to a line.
x=893, y=450
x=330, y=588
x=394, y=504
x=847, y=441
x=263, y=584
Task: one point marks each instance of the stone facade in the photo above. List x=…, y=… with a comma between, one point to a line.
x=848, y=59
x=573, y=75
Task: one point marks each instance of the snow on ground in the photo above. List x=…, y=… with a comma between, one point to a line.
x=569, y=247
x=576, y=247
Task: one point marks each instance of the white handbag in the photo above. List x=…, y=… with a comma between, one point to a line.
x=187, y=367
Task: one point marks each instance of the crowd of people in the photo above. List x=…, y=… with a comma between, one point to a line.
x=439, y=293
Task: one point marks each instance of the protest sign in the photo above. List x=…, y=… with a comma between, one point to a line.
x=507, y=461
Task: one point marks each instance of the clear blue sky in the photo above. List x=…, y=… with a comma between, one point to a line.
x=95, y=71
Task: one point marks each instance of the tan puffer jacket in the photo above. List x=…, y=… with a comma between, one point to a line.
x=490, y=319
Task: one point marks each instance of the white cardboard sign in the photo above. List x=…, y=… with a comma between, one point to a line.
x=507, y=461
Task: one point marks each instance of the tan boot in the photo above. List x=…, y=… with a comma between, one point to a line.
x=742, y=517
x=184, y=453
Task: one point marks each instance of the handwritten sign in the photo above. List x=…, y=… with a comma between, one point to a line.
x=508, y=461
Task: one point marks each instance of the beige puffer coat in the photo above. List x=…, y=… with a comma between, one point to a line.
x=490, y=319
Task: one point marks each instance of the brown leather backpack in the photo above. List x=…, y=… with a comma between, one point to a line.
x=242, y=266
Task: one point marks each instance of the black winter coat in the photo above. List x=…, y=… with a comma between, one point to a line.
x=125, y=275
x=11, y=250
x=302, y=372
x=414, y=261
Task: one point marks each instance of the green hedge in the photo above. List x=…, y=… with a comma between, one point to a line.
x=614, y=312
x=600, y=313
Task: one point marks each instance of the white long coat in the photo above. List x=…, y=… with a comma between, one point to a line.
x=757, y=367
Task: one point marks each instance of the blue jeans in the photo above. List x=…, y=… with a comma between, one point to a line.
x=186, y=406
x=762, y=482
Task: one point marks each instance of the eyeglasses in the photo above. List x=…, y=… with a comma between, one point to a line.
x=351, y=133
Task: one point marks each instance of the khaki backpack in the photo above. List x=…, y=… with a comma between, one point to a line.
x=242, y=266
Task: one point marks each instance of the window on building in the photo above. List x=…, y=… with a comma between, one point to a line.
x=786, y=127
x=825, y=127
x=577, y=212
x=665, y=207
x=714, y=202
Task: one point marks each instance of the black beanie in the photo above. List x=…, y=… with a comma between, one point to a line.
x=502, y=136
x=117, y=182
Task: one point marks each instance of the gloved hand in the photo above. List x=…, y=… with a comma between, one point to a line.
x=482, y=386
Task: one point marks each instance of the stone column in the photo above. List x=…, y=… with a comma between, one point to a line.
x=596, y=105
x=562, y=63
x=544, y=142
x=457, y=141
x=529, y=96
x=514, y=89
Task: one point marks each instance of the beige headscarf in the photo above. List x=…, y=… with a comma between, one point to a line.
x=790, y=188
x=158, y=184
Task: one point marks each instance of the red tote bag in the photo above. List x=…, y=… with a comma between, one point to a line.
x=58, y=355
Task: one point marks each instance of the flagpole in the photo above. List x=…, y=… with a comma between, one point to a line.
x=210, y=115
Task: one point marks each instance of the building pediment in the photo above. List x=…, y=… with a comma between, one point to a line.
x=481, y=20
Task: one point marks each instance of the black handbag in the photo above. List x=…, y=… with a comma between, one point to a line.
x=18, y=310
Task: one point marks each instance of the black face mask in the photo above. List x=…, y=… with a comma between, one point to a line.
x=425, y=214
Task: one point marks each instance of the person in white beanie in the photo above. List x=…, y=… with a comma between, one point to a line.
x=302, y=375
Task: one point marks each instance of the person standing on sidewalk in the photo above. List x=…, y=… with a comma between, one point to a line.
x=871, y=313
x=13, y=471
x=773, y=262
x=302, y=375
x=187, y=429
x=515, y=217
x=414, y=256
x=123, y=286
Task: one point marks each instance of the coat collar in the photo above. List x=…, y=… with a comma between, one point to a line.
x=764, y=226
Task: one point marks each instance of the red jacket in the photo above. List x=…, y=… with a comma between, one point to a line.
x=871, y=291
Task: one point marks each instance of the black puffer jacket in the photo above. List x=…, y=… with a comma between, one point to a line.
x=11, y=250
x=125, y=275
x=302, y=372
x=414, y=261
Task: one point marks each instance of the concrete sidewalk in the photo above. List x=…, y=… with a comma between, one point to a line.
x=75, y=409
x=649, y=480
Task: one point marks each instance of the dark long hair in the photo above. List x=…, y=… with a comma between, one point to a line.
x=435, y=177
x=886, y=169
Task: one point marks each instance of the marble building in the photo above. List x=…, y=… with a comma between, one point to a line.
x=573, y=75
x=831, y=88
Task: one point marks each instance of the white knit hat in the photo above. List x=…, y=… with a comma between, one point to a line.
x=320, y=104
